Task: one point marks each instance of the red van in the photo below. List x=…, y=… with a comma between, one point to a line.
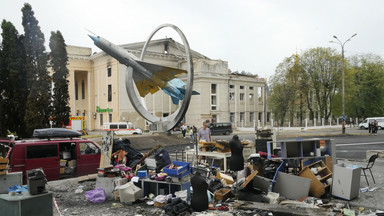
x=59, y=157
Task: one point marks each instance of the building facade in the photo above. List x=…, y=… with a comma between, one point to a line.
x=97, y=88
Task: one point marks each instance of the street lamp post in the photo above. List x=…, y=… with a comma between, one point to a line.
x=343, y=76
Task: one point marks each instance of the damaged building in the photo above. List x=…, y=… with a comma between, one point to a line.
x=98, y=93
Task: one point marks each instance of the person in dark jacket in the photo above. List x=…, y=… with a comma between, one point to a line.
x=199, y=200
x=236, y=163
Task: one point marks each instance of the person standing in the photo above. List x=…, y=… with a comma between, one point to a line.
x=236, y=162
x=204, y=133
x=191, y=135
x=184, y=129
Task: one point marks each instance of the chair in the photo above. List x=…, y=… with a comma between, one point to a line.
x=369, y=166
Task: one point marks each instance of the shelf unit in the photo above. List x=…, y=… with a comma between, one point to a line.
x=319, y=173
x=308, y=150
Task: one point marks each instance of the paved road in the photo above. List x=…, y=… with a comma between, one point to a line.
x=352, y=146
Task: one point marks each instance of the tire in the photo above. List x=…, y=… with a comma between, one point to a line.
x=379, y=128
x=362, y=128
x=226, y=133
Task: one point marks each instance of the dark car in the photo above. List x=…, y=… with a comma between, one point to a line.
x=221, y=128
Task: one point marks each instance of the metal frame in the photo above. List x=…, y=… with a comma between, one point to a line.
x=169, y=122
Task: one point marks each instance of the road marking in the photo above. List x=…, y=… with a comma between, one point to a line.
x=354, y=144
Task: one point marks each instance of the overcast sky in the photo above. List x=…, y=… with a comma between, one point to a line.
x=253, y=35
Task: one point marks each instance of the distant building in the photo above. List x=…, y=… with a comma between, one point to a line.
x=97, y=88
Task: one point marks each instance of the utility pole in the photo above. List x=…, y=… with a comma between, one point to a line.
x=343, y=75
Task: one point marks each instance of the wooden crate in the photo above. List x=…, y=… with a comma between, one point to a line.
x=223, y=194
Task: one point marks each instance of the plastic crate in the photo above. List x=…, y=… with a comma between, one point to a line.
x=182, y=167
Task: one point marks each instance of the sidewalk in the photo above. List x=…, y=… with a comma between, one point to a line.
x=374, y=197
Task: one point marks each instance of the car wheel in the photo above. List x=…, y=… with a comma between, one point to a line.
x=226, y=133
x=379, y=128
x=362, y=127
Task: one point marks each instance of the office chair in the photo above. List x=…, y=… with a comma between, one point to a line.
x=371, y=161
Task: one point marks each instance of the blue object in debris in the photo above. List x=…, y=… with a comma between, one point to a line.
x=18, y=189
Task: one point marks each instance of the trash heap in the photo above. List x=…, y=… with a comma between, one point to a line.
x=288, y=182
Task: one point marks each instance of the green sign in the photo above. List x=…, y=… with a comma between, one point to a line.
x=103, y=110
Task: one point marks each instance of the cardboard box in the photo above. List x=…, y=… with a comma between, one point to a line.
x=63, y=163
x=228, y=179
x=62, y=170
x=223, y=194
x=157, y=204
x=72, y=163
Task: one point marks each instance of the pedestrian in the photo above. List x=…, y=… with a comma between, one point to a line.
x=376, y=127
x=204, y=133
x=191, y=134
x=369, y=127
x=184, y=129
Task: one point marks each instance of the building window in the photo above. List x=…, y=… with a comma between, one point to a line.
x=82, y=89
x=110, y=117
x=250, y=87
x=251, y=116
x=251, y=97
x=213, y=97
x=232, y=117
x=213, y=88
x=109, y=92
x=101, y=119
x=231, y=96
x=259, y=93
x=260, y=115
x=109, y=70
x=76, y=91
x=241, y=87
x=241, y=96
x=242, y=116
x=213, y=102
x=231, y=86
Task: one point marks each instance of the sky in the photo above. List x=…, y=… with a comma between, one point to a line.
x=251, y=35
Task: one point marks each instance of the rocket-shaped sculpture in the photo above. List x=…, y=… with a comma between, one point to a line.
x=147, y=77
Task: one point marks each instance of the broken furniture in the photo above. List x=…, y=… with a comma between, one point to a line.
x=262, y=137
x=26, y=204
x=36, y=181
x=369, y=166
x=291, y=186
x=346, y=181
x=319, y=173
x=3, y=165
x=161, y=187
x=217, y=155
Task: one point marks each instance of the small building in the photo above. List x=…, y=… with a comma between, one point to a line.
x=97, y=88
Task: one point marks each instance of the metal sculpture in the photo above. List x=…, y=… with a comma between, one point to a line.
x=149, y=78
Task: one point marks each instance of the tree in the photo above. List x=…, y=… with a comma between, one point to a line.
x=59, y=59
x=322, y=69
x=13, y=81
x=38, y=109
x=366, y=98
x=282, y=93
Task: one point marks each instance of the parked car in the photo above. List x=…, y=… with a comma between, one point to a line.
x=221, y=128
x=59, y=154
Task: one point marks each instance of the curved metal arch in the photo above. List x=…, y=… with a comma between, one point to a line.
x=172, y=120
